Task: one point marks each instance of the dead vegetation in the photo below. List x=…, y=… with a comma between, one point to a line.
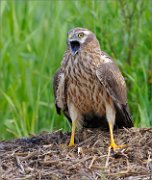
x=47, y=157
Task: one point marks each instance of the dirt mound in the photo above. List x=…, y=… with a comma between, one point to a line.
x=47, y=157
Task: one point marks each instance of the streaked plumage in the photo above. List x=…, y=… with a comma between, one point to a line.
x=88, y=87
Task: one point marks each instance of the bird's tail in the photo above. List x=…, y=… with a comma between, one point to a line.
x=123, y=117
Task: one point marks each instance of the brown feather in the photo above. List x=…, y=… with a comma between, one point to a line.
x=110, y=76
x=56, y=82
x=114, y=83
x=88, y=81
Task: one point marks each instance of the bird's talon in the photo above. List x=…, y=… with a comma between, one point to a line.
x=71, y=145
x=114, y=146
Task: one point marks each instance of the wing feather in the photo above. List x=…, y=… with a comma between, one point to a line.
x=59, y=87
x=111, y=78
x=56, y=86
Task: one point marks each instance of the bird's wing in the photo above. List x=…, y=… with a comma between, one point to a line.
x=111, y=78
x=59, y=88
x=60, y=94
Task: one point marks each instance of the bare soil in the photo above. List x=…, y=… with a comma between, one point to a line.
x=47, y=156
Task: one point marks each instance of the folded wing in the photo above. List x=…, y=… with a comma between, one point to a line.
x=111, y=78
x=59, y=87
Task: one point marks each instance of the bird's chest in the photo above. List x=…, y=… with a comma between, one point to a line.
x=84, y=90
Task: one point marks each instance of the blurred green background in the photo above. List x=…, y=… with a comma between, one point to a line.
x=32, y=44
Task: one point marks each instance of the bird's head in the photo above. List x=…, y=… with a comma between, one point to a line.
x=77, y=38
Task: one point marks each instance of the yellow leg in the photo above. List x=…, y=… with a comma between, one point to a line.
x=113, y=145
x=72, y=134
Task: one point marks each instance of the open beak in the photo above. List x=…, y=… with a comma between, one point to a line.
x=75, y=47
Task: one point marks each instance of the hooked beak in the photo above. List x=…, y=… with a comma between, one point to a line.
x=75, y=47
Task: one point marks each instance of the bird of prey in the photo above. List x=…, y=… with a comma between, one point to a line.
x=89, y=88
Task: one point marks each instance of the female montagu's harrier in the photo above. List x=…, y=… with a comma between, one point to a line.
x=89, y=88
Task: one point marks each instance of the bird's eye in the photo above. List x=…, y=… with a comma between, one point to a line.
x=80, y=35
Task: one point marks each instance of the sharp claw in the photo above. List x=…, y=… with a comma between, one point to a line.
x=114, y=146
x=71, y=144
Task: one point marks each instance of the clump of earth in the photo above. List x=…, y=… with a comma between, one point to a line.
x=47, y=156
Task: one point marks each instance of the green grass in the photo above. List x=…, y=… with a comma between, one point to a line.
x=32, y=44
